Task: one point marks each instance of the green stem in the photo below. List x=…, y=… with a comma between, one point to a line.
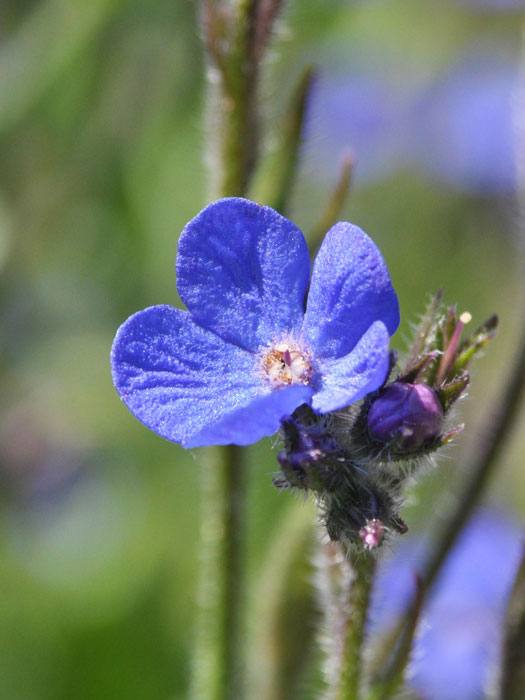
x=499, y=426
x=363, y=567
x=218, y=671
x=344, y=585
x=232, y=106
x=232, y=115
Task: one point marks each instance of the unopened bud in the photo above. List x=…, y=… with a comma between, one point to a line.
x=372, y=533
x=406, y=416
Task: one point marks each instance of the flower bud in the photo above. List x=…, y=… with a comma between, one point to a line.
x=372, y=533
x=406, y=416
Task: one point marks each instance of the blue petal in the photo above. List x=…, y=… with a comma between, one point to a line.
x=352, y=377
x=242, y=271
x=260, y=418
x=350, y=289
x=181, y=380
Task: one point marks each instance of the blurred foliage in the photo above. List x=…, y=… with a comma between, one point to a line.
x=101, y=140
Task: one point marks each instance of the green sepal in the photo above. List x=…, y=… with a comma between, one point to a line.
x=450, y=392
x=475, y=343
x=425, y=331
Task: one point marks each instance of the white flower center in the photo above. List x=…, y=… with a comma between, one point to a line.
x=286, y=363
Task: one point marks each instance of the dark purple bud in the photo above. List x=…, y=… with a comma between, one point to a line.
x=405, y=415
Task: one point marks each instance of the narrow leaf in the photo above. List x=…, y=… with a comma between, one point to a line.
x=274, y=180
x=43, y=47
x=335, y=204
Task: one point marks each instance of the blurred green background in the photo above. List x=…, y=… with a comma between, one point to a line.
x=102, y=162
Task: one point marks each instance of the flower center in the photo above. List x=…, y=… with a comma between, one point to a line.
x=285, y=363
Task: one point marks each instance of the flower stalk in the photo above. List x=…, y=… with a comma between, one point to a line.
x=357, y=462
x=363, y=566
x=344, y=583
x=353, y=432
x=235, y=35
x=217, y=669
x=235, y=40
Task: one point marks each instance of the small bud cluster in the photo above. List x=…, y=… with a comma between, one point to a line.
x=357, y=461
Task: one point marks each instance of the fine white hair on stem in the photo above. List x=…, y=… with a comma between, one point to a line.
x=333, y=577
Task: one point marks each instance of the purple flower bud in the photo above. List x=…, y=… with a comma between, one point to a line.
x=408, y=415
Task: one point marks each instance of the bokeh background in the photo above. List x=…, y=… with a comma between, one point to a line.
x=102, y=141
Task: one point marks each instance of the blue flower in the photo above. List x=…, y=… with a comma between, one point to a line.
x=493, y=4
x=464, y=128
x=458, y=645
x=363, y=114
x=247, y=352
x=457, y=126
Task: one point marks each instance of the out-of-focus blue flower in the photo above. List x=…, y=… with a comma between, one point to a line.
x=458, y=127
x=360, y=113
x=459, y=640
x=248, y=352
x=494, y=4
x=467, y=125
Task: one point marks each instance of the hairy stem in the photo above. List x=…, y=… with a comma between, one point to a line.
x=363, y=567
x=344, y=584
x=233, y=123
x=218, y=671
x=230, y=35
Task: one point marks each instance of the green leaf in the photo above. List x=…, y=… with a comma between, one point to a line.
x=275, y=177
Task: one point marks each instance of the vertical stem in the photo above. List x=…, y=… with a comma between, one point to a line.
x=344, y=585
x=218, y=659
x=232, y=106
x=232, y=151
x=363, y=567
